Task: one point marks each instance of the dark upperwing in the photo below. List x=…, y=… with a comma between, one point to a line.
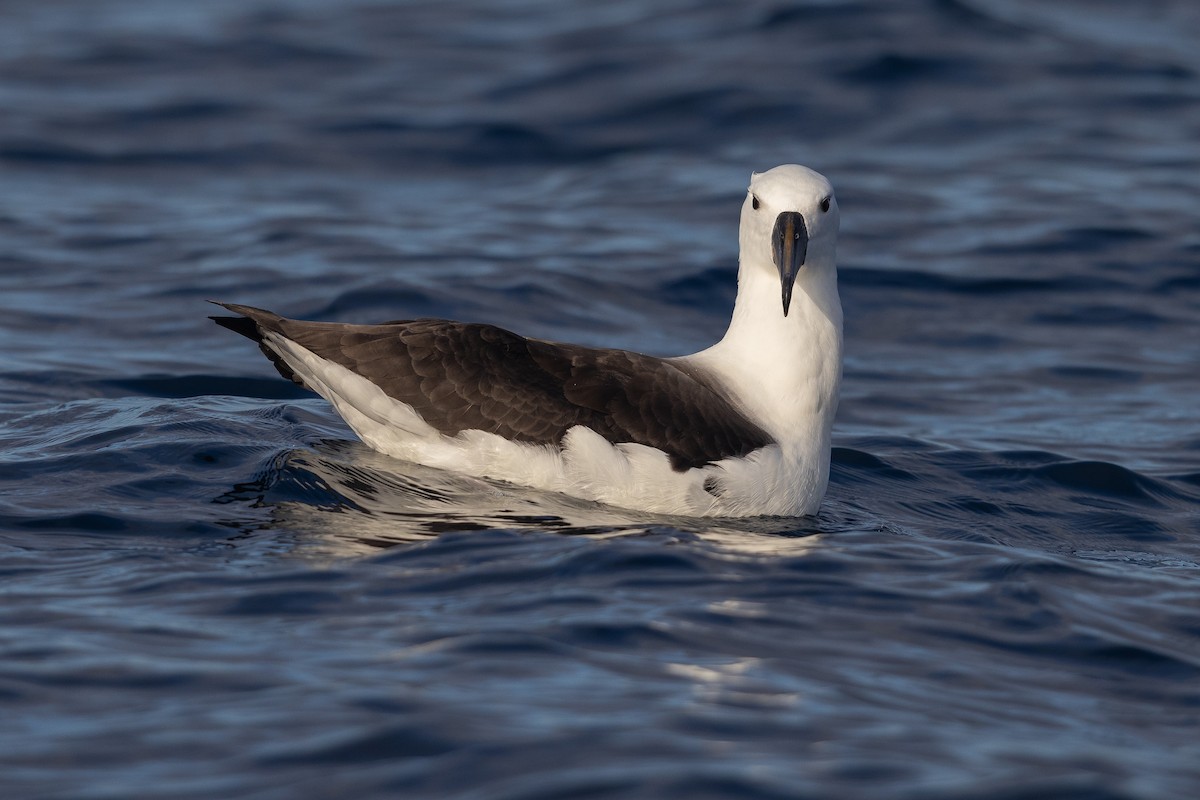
x=461, y=376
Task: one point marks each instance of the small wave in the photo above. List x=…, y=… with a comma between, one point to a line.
x=897, y=68
x=1108, y=315
x=180, y=386
x=40, y=152
x=1073, y=240
x=710, y=289
x=926, y=282
x=1104, y=479
x=391, y=744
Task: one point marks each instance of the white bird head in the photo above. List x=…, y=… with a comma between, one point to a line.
x=789, y=225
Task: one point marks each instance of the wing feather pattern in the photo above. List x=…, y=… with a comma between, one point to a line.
x=460, y=376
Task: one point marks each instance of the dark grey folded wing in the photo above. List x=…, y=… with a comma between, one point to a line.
x=461, y=376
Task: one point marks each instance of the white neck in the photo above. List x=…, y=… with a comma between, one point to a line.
x=784, y=372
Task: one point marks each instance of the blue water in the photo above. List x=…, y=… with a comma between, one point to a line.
x=209, y=588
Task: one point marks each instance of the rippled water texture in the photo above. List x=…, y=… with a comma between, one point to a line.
x=210, y=589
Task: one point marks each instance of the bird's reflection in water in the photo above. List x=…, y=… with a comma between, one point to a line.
x=346, y=500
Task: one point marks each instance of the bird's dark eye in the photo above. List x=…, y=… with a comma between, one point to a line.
x=825, y=204
x=754, y=202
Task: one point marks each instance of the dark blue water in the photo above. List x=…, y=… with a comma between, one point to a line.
x=209, y=589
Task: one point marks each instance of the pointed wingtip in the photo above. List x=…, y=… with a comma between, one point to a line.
x=237, y=308
x=260, y=315
x=228, y=306
x=250, y=322
x=241, y=325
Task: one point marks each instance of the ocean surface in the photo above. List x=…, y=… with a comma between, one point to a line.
x=210, y=589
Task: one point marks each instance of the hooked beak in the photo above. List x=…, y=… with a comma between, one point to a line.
x=789, y=246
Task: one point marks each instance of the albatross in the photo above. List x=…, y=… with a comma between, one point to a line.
x=739, y=429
